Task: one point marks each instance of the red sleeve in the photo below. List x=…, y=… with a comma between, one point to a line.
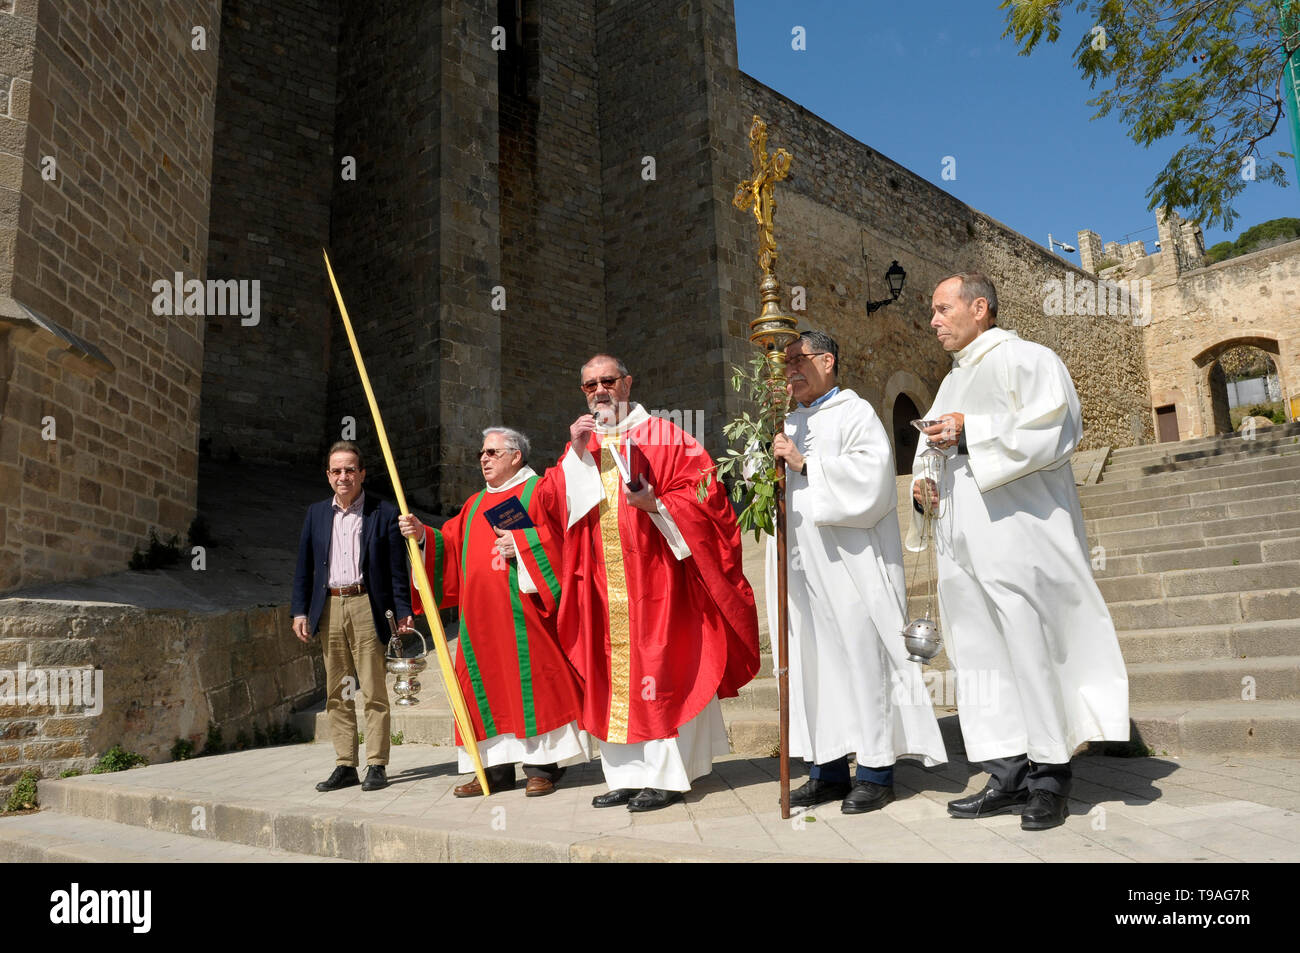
x=710, y=529
x=441, y=564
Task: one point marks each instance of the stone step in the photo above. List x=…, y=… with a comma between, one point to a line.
x=1242, y=450
x=1281, y=537
x=1261, y=605
x=1274, y=494
x=1224, y=727
x=1193, y=444
x=359, y=828
x=1196, y=446
x=1199, y=557
x=1247, y=640
x=1270, y=679
x=1195, y=582
x=52, y=837
x=761, y=693
x=1213, y=532
x=1229, y=509
x=1123, y=490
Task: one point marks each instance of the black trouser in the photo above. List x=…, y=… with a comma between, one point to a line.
x=1018, y=773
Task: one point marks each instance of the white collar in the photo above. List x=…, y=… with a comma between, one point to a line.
x=974, y=352
x=525, y=472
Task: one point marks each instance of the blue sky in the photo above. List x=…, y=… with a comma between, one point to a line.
x=918, y=82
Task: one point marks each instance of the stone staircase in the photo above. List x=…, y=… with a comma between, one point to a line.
x=1201, y=547
x=1201, y=570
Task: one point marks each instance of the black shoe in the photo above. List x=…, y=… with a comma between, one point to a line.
x=866, y=796
x=614, y=798
x=651, y=799
x=343, y=777
x=376, y=778
x=1044, y=811
x=816, y=791
x=988, y=802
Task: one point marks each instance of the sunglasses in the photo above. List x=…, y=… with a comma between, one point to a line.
x=606, y=382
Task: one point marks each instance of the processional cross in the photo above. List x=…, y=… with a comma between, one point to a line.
x=773, y=331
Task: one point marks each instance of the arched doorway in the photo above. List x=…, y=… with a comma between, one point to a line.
x=1237, y=377
x=905, y=435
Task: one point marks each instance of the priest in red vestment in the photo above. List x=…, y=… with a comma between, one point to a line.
x=656, y=613
x=524, y=697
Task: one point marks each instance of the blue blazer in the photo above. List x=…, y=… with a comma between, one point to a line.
x=383, y=563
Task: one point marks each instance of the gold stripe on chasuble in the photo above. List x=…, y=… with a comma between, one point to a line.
x=620, y=644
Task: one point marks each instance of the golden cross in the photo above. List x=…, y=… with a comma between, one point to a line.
x=758, y=191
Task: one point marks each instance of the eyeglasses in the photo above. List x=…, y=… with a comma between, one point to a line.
x=339, y=471
x=799, y=359
x=606, y=382
x=493, y=453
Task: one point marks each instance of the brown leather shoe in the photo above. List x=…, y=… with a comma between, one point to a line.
x=469, y=789
x=539, y=787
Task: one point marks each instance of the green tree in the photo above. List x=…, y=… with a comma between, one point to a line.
x=1264, y=235
x=1207, y=70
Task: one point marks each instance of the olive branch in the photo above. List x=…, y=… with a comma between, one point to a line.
x=748, y=461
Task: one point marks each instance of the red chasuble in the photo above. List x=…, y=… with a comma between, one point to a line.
x=512, y=672
x=653, y=637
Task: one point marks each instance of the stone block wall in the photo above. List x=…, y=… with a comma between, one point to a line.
x=274, y=168
x=165, y=674
x=104, y=186
x=666, y=313
x=552, y=260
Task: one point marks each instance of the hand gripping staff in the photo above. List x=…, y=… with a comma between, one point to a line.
x=458, y=709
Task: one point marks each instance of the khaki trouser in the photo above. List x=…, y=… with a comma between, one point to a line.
x=354, y=662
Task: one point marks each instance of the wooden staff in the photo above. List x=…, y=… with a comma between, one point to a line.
x=773, y=331
x=459, y=711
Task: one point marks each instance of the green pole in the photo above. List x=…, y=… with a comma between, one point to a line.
x=1290, y=23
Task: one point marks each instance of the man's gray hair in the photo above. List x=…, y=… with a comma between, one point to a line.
x=821, y=341
x=976, y=284
x=622, y=368
x=514, y=440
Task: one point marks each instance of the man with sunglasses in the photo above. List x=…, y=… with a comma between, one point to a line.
x=523, y=695
x=852, y=689
x=351, y=571
x=656, y=614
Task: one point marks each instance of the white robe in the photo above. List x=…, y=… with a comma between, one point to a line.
x=852, y=689
x=1038, y=662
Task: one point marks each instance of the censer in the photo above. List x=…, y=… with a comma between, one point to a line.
x=921, y=636
x=405, y=658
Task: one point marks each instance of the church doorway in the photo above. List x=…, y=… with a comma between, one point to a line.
x=905, y=435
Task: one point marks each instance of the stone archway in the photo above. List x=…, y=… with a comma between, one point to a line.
x=1212, y=381
x=906, y=398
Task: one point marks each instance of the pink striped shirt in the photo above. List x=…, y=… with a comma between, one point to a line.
x=345, y=543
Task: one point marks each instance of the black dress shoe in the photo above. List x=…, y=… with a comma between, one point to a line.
x=987, y=803
x=1044, y=811
x=343, y=777
x=867, y=796
x=376, y=778
x=816, y=791
x=651, y=799
x=614, y=798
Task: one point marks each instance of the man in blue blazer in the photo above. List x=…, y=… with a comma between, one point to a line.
x=351, y=571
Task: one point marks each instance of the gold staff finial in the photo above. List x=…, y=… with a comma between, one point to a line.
x=758, y=192
x=773, y=329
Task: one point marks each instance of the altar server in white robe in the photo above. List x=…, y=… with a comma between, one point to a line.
x=1038, y=662
x=852, y=689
